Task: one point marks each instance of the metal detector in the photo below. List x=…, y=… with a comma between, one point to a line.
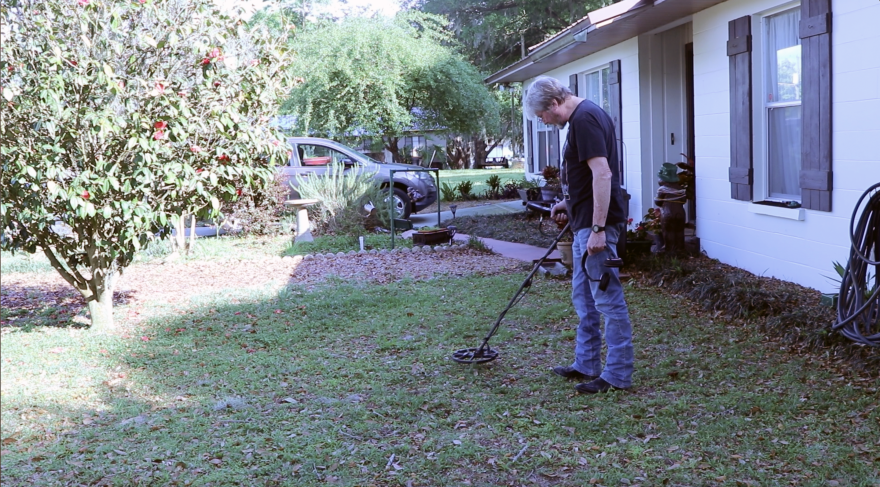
x=484, y=353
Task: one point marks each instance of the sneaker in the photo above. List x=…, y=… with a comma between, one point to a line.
x=571, y=373
x=596, y=386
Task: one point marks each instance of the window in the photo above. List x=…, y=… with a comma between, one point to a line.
x=596, y=88
x=548, y=146
x=782, y=72
x=318, y=155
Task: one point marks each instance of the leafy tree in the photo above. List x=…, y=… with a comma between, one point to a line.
x=495, y=32
x=380, y=76
x=117, y=117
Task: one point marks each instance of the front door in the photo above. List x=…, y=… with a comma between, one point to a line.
x=671, y=81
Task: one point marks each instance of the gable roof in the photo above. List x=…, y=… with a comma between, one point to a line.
x=600, y=29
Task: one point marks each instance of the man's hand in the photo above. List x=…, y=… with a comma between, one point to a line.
x=596, y=243
x=559, y=212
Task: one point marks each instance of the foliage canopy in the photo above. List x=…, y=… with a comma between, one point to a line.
x=493, y=31
x=382, y=76
x=118, y=116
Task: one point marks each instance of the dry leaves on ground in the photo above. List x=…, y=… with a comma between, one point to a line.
x=172, y=282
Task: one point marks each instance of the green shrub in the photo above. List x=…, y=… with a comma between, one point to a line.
x=464, y=189
x=494, y=183
x=349, y=201
x=448, y=191
x=259, y=211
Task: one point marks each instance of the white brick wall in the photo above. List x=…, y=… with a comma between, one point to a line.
x=798, y=251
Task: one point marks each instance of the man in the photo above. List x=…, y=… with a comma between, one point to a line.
x=594, y=206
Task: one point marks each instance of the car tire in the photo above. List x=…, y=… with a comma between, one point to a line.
x=402, y=204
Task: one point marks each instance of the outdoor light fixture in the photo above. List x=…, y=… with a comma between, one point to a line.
x=452, y=208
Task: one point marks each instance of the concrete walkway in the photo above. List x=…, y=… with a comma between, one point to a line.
x=527, y=253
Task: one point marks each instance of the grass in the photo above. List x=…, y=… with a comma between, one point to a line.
x=346, y=243
x=352, y=384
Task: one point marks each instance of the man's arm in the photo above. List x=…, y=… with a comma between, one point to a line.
x=601, y=201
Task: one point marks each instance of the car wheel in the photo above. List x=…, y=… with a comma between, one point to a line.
x=402, y=203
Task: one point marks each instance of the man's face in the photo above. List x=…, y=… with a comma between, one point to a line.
x=551, y=115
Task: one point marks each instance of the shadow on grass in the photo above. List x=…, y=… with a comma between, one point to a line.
x=29, y=307
x=353, y=385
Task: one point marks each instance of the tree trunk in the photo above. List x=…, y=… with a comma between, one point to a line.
x=178, y=243
x=101, y=310
x=458, y=153
x=391, y=145
x=96, y=291
x=481, y=152
x=192, y=235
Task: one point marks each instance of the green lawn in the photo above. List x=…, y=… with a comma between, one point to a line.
x=352, y=384
x=479, y=176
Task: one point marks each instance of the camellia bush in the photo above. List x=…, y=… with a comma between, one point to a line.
x=118, y=117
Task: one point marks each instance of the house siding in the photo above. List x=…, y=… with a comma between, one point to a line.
x=798, y=251
x=628, y=54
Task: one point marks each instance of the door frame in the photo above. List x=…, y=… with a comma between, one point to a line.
x=653, y=90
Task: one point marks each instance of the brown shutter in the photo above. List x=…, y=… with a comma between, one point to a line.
x=615, y=102
x=573, y=84
x=739, y=50
x=530, y=136
x=815, y=176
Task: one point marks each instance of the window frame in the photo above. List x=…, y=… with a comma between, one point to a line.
x=604, y=72
x=761, y=113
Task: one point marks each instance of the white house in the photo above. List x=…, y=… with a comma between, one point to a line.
x=777, y=100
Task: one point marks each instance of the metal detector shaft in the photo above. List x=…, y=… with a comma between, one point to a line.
x=522, y=286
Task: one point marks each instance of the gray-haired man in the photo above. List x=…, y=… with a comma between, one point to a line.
x=594, y=205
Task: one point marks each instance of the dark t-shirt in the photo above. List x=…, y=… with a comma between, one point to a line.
x=590, y=134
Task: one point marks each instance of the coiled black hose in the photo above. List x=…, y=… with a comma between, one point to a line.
x=858, y=305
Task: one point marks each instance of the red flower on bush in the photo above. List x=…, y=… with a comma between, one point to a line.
x=195, y=149
x=213, y=56
x=159, y=135
x=160, y=87
x=216, y=84
x=238, y=191
x=85, y=195
x=199, y=170
x=160, y=125
x=222, y=157
x=83, y=3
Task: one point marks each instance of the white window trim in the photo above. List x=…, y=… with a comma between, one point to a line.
x=761, y=146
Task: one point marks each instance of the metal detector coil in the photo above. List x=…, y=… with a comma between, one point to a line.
x=474, y=355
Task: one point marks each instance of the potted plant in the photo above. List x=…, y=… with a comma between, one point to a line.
x=563, y=246
x=640, y=236
x=551, y=187
x=528, y=190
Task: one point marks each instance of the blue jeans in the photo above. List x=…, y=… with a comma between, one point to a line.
x=589, y=301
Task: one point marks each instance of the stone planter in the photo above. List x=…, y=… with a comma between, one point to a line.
x=565, y=253
x=549, y=193
x=433, y=237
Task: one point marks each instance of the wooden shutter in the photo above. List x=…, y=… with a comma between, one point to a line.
x=615, y=103
x=530, y=136
x=739, y=50
x=815, y=33
x=573, y=84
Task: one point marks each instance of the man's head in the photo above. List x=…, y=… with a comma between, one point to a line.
x=545, y=98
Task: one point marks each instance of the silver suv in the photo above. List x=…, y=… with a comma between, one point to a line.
x=413, y=191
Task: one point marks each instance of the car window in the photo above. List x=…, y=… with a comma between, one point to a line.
x=318, y=155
